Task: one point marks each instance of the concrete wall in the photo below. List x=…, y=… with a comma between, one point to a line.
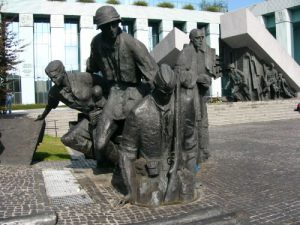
x=242, y=29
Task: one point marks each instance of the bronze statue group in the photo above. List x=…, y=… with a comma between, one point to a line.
x=149, y=121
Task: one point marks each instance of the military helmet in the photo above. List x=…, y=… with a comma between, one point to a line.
x=106, y=14
x=165, y=79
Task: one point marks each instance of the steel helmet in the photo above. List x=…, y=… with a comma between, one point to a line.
x=106, y=14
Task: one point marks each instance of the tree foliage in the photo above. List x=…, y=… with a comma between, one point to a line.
x=10, y=47
x=214, y=6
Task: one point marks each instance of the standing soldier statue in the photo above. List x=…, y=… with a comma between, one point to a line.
x=128, y=70
x=195, y=67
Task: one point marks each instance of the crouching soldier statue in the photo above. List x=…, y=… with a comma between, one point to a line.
x=78, y=91
x=147, y=154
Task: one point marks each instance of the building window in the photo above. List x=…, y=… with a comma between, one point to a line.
x=72, y=45
x=180, y=25
x=270, y=23
x=128, y=26
x=202, y=26
x=14, y=84
x=153, y=27
x=296, y=33
x=42, y=56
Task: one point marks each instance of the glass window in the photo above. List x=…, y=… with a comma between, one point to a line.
x=14, y=84
x=153, y=35
x=127, y=26
x=296, y=33
x=71, y=45
x=42, y=56
x=270, y=24
x=180, y=25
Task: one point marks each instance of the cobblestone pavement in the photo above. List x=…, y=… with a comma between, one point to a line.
x=254, y=167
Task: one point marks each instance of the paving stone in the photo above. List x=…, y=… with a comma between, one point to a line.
x=254, y=167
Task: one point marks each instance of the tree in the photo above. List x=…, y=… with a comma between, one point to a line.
x=10, y=47
x=214, y=6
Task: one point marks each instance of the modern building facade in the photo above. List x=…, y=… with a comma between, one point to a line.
x=64, y=30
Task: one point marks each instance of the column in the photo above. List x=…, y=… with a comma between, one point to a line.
x=190, y=26
x=165, y=27
x=284, y=30
x=141, y=31
x=212, y=39
x=57, y=37
x=87, y=32
x=27, y=58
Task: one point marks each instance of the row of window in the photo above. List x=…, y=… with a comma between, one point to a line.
x=269, y=20
x=42, y=49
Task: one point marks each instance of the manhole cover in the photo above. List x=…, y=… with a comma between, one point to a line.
x=63, y=188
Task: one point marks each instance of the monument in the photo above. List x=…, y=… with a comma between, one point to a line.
x=148, y=120
x=248, y=78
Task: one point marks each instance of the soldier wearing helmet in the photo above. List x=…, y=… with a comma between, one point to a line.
x=147, y=142
x=124, y=63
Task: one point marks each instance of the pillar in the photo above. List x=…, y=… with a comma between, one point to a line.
x=141, y=31
x=166, y=27
x=190, y=26
x=87, y=32
x=57, y=37
x=27, y=58
x=284, y=30
x=212, y=39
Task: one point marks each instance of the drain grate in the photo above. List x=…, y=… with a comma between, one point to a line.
x=72, y=200
x=63, y=188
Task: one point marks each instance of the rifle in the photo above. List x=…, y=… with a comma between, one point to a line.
x=172, y=188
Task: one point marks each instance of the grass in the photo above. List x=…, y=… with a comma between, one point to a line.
x=51, y=149
x=28, y=106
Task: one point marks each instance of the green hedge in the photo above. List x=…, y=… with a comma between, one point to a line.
x=188, y=6
x=166, y=5
x=86, y=1
x=140, y=3
x=113, y=2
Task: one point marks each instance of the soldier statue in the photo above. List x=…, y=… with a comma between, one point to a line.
x=195, y=67
x=79, y=91
x=128, y=71
x=239, y=87
x=147, y=149
x=271, y=81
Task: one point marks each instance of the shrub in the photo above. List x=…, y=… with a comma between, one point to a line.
x=215, y=6
x=86, y=1
x=113, y=2
x=140, y=3
x=56, y=0
x=188, y=6
x=166, y=5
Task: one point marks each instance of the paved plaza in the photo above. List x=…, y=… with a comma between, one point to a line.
x=254, y=167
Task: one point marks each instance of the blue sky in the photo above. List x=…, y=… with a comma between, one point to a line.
x=237, y=4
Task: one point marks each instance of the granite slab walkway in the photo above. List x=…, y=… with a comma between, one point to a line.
x=254, y=167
